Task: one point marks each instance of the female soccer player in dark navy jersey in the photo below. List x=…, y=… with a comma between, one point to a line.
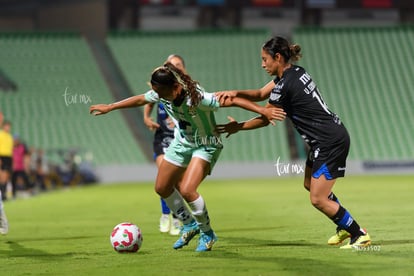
x=294, y=90
x=321, y=129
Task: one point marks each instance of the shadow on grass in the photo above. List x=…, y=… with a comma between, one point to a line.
x=249, y=229
x=17, y=250
x=51, y=239
x=392, y=242
x=249, y=241
x=289, y=258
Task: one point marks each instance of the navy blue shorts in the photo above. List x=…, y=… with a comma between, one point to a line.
x=160, y=145
x=329, y=161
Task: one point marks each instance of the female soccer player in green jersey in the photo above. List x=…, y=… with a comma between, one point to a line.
x=195, y=149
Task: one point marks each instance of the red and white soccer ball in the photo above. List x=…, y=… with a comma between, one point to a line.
x=126, y=237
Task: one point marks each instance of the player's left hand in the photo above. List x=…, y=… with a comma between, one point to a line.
x=229, y=128
x=274, y=113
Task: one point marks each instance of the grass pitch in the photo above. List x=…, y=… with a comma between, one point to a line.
x=264, y=226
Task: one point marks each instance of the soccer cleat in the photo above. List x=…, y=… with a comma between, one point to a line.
x=361, y=241
x=4, y=224
x=165, y=223
x=188, y=231
x=339, y=237
x=206, y=241
x=175, y=226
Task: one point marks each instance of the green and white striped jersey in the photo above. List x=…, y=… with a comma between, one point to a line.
x=195, y=126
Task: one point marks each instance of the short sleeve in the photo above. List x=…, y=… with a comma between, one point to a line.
x=152, y=96
x=209, y=101
x=278, y=94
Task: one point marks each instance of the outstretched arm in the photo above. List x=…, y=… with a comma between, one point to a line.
x=233, y=126
x=270, y=112
x=134, y=101
x=254, y=95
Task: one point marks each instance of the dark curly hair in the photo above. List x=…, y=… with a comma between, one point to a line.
x=166, y=76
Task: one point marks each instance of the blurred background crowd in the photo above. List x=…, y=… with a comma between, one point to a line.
x=35, y=170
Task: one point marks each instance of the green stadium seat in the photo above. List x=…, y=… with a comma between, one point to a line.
x=44, y=66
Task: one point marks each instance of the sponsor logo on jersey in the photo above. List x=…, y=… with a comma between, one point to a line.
x=274, y=96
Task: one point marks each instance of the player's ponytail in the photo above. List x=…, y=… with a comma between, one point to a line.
x=166, y=76
x=277, y=44
x=189, y=85
x=295, y=54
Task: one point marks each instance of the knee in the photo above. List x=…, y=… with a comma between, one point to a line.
x=317, y=202
x=186, y=193
x=158, y=190
x=162, y=190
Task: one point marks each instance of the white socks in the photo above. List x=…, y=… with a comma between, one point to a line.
x=199, y=211
x=177, y=205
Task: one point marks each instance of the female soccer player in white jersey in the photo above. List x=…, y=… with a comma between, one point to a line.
x=294, y=90
x=193, y=152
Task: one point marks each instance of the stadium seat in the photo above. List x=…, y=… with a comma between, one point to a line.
x=57, y=80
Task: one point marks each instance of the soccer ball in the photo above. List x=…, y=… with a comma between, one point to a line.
x=126, y=237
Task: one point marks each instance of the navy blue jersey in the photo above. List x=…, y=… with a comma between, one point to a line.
x=166, y=128
x=299, y=96
x=165, y=133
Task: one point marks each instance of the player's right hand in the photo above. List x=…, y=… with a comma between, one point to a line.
x=230, y=128
x=99, y=109
x=221, y=96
